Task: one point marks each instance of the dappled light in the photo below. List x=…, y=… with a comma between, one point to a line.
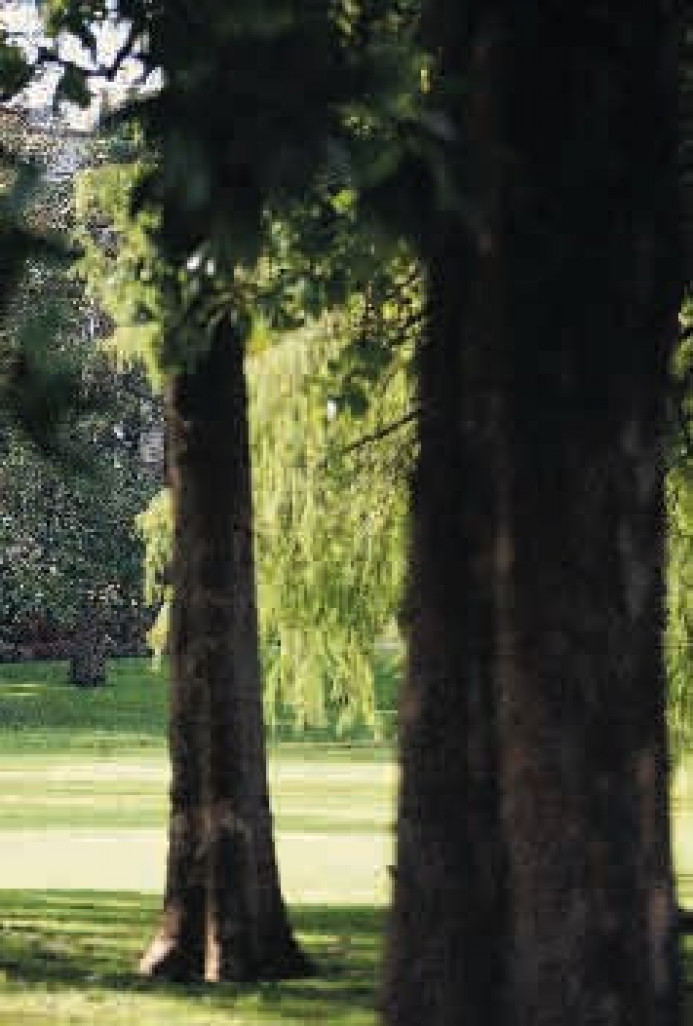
x=73, y=818
x=83, y=947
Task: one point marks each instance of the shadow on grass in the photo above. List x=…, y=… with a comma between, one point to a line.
x=71, y=941
x=91, y=941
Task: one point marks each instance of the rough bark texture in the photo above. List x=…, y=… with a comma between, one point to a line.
x=594, y=277
x=224, y=917
x=445, y=956
x=534, y=880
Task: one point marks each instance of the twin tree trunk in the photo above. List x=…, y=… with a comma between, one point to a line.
x=534, y=882
x=223, y=917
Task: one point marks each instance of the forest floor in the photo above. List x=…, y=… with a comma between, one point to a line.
x=83, y=805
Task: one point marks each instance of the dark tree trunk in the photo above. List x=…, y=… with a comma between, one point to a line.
x=534, y=881
x=224, y=916
x=448, y=929
x=594, y=275
x=88, y=654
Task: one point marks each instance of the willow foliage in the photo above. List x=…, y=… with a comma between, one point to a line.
x=330, y=524
x=679, y=498
x=253, y=214
x=329, y=508
x=330, y=501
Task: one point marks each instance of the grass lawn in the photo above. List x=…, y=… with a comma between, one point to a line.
x=83, y=803
x=66, y=957
x=41, y=712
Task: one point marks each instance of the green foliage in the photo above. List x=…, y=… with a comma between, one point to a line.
x=330, y=522
x=259, y=220
x=27, y=393
x=119, y=263
x=73, y=88
x=69, y=431
x=44, y=393
x=67, y=540
x=330, y=525
x=15, y=71
x=41, y=391
x=320, y=102
x=679, y=499
x=41, y=712
x=155, y=526
x=264, y=208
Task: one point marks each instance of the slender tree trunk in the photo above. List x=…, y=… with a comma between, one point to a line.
x=536, y=559
x=224, y=916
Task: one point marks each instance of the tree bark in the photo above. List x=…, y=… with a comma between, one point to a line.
x=594, y=278
x=224, y=917
x=534, y=881
x=448, y=928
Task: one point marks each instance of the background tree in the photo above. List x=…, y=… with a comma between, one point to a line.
x=679, y=496
x=679, y=637
x=223, y=914
x=331, y=515
x=213, y=202
x=69, y=556
x=36, y=396
x=70, y=561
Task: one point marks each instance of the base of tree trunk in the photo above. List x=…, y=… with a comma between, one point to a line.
x=170, y=959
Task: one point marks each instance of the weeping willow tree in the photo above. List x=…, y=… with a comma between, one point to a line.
x=679, y=497
x=679, y=485
x=330, y=499
x=332, y=444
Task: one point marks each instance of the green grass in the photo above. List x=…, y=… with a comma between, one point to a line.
x=41, y=711
x=327, y=792
x=68, y=957
x=83, y=806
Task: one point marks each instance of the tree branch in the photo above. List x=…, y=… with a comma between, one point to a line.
x=383, y=432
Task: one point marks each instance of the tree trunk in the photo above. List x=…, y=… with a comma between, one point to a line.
x=88, y=657
x=448, y=929
x=224, y=916
x=582, y=680
x=534, y=880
